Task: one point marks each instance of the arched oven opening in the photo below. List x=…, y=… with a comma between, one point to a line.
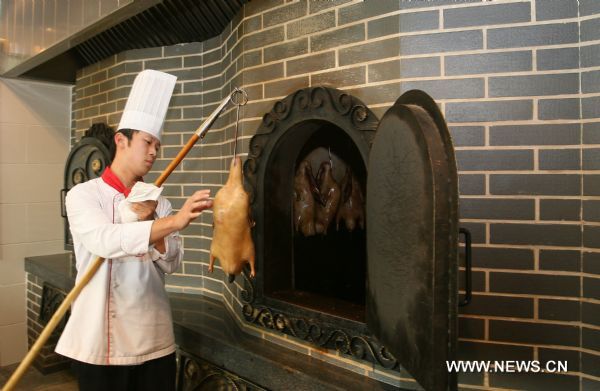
x=319, y=135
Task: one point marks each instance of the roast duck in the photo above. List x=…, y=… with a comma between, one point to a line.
x=330, y=198
x=352, y=210
x=306, y=193
x=317, y=203
x=232, y=241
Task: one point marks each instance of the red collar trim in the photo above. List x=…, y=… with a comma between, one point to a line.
x=113, y=181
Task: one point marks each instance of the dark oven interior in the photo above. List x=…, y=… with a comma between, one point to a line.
x=322, y=271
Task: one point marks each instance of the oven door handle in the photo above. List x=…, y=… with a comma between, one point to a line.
x=468, y=264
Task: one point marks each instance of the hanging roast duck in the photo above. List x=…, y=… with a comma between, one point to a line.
x=232, y=241
x=352, y=208
x=306, y=193
x=330, y=196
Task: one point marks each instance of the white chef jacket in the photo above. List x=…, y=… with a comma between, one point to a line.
x=123, y=316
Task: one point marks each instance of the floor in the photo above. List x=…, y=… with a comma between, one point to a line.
x=33, y=380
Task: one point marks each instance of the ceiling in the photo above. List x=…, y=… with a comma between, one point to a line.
x=164, y=23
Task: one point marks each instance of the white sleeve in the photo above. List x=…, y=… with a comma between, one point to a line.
x=90, y=225
x=171, y=259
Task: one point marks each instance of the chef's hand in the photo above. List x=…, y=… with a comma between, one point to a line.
x=144, y=210
x=193, y=207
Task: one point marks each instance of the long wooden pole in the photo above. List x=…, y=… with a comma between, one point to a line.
x=93, y=268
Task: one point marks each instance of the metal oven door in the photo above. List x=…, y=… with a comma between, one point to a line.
x=412, y=245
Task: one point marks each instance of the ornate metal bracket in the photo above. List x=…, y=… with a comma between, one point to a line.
x=52, y=297
x=346, y=342
x=194, y=374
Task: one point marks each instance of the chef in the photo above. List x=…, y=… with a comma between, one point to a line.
x=120, y=332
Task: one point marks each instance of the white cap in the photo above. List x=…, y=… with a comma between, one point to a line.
x=148, y=101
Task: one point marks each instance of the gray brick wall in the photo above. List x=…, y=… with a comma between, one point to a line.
x=518, y=83
x=590, y=118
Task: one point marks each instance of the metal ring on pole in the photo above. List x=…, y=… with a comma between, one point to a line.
x=239, y=92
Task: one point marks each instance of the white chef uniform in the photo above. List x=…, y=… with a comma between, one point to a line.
x=122, y=317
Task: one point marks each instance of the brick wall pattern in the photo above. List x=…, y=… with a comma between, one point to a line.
x=519, y=84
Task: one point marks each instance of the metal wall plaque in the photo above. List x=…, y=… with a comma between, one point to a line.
x=52, y=298
x=195, y=374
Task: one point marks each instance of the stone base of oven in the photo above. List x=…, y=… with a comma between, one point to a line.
x=212, y=347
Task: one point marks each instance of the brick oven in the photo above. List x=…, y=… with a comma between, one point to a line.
x=388, y=288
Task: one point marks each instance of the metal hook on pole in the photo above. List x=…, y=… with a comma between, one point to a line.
x=93, y=268
x=243, y=99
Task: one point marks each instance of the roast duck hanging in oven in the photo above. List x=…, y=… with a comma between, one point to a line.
x=330, y=198
x=318, y=202
x=305, y=194
x=352, y=208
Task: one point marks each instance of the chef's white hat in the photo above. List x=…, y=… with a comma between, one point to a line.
x=148, y=101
